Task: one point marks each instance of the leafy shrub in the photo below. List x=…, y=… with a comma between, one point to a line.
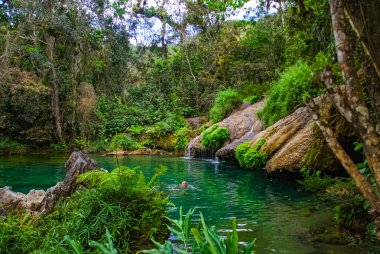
x=25, y=110
x=205, y=238
x=225, y=102
x=314, y=181
x=123, y=142
x=60, y=147
x=251, y=157
x=287, y=93
x=255, y=89
x=17, y=234
x=240, y=151
x=214, y=137
x=350, y=207
x=97, y=146
x=114, y=116
x=119, y=205
x=8, y=145
x=81, y=143
x=136, y=130
x=181, y=139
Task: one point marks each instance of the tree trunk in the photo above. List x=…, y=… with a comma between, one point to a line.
x=55, y=93
x=163, y=40
x=361, y=181
x=349, y=100
x=352, y=106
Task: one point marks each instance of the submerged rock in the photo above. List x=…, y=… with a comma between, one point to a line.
x=37, y=201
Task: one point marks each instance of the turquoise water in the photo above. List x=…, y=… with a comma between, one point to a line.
x=274, y=210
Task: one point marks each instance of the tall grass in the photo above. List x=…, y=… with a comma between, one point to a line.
x=225, y=102
x=288, y=93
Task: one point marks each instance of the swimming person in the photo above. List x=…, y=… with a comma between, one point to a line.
x=184, y=184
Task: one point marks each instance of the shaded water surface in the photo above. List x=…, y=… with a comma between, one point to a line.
x=283, y=218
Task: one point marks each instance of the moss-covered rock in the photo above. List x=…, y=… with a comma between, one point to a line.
x=214, y=137
x=250, y=156
x=242, y=125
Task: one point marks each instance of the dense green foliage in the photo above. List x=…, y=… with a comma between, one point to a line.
x=83, y=75
x=121, y=202
x=314, y=181
x=214, y=137
x=9, y=146
x=350, y=208
x=182, y=139
x=288, y=93
x=123, y=142
x=225, y=102
x=251, y=157
x=205, y=239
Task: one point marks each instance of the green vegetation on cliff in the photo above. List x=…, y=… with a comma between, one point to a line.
x=214, y=137
x=251, y=157
x=288, y=93
x=225, y=102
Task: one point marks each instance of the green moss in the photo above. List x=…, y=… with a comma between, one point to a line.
x=251, y=157
x=214, y=137
x=319, y=154
x=240, y=151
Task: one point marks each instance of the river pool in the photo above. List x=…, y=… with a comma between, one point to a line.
x=274, y=210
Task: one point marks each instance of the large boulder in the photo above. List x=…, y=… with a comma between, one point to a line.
x=37, y=201
x=287, y=141
x=242, y=124
x=296, y=141
x=291, y=143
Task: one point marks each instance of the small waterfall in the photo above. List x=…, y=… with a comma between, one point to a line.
x=188, y=148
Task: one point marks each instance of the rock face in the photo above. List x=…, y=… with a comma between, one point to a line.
x=37, y=201
x=242, y=124
x=196, y=122
x=288, y=141
x=291, y=143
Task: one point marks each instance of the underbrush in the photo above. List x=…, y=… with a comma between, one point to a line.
x=10, y=146
x=123, y=142
x=122, y=202
x=350, y=207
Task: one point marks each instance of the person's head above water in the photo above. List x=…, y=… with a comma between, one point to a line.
x=184, y=184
